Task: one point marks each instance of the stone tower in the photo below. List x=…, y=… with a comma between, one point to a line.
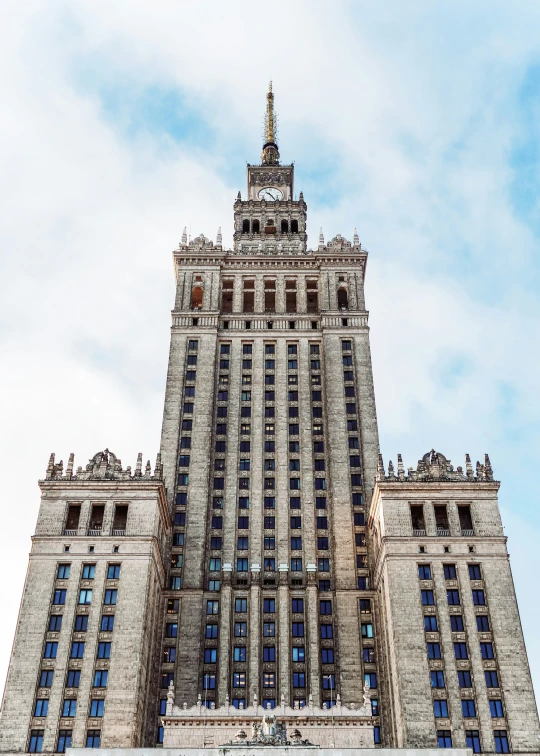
x=269, y=560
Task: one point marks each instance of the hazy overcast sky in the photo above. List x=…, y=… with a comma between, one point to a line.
x=123, y=122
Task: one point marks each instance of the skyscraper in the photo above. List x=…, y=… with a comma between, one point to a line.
x=268, y=555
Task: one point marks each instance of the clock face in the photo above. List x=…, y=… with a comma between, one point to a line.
x=270, y=194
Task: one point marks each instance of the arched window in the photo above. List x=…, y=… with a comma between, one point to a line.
x=342, y=299
x=294, y=226
x=245, y=226
x=284, y=227
x=256, y=227
x=196, y=298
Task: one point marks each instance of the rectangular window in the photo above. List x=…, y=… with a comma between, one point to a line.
x=46, y=678
x=111, y=594
x=329, y=682
x=468, y=708
x=474, y=572
x=325, y=607
x=327, y=656
x=62, y=573
x=101, y=678
x=296, y=564
x=73, y=678
x=428, y=599
x=64, y=741
x=77, y=650
x=242, y=543
x=85, y=596
x=239, y=654
x=456, y=623
x=323, y=565
x=444, y=738
x=491, y=677
x=59, y=597
x=486, y=649
x=215, y=543
x=320, y=502
x=460, y=651
x=41, y=707
x=322, y=543
x=55, y=623
x=269, y=605
x=269, y=653
x=434, y=651
x=482, y=623
x=269, y=563
x=96, y=707
x=472, y=738
x=104, y=651
x=51, y=649
x=107, y=623
x=240, y=629
x=322, y=523
x=299, y=680
x=496, y=708
x=440, y=708
x=437, y=678
x=241, y=564
x=501, y=741
x=430, y=623
x=297, y=629
x=239, y=680
x=211, y=631
x=449, y=571
x=453, y=597
x=269, y=629
x=269, y=680
x=478, y=598
x=327, y=631
x=464, y=679
x=36, y=741
x=210, y=655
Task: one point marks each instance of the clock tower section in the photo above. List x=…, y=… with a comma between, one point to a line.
x=270, y=221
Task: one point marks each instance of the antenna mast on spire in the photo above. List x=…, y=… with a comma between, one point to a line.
x=270, y=153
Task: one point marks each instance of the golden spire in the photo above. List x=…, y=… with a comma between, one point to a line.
x=270, y=153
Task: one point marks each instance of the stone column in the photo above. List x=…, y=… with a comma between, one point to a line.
x=224, y=649
x=301, y=297
x=238, y=304
x=259, y=293
x=312, y=643
x=284, y=646
x=280, y=294
x=255, y=640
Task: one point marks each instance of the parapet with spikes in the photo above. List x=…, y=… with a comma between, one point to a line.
x=103, y=466
x=434, y=467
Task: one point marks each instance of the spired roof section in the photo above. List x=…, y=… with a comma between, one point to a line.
x=435, y=467
x=103, y=466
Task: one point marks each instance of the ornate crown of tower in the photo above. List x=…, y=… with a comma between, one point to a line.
x=270, y=221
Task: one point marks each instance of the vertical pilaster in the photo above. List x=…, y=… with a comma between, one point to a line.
x=313, y=649
x=284, y=646
x=254, y=635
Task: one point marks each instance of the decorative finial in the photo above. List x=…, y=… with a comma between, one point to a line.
x=381, y=474
x=356, y=240
x=391, y=469
x=487, y=467
x=468, y=466
x=170, y=699
x=270, y=153
x=219, y=238
x=184, y=236
x=158, y=469
x=321, y=237
x=400, y=468
x=69, y=469
x=138, y=468
x=148, y=469
x=50, y=467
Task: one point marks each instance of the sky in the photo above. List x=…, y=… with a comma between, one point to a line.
x=123, y=122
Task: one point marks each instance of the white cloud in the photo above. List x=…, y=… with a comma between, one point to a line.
x=420, y=110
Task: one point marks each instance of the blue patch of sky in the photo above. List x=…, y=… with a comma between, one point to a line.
x=525, y=158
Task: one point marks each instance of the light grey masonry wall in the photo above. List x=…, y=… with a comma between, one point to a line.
x=397, y=554
x=134, y=636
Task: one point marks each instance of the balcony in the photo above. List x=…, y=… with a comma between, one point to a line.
x=95, y=531
x=443, y=532
x=119, y=532
x=467, y=532
x=418, y=532
x=70, y=531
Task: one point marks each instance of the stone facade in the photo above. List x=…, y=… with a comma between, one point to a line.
x=447, y=606
x=247, y=568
